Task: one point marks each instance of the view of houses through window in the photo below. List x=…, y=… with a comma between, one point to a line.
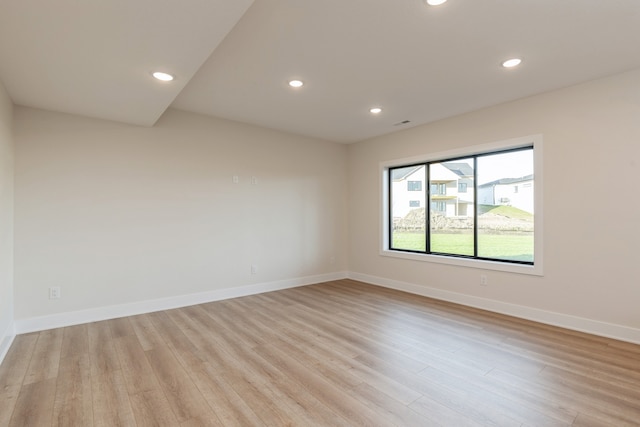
x=480, y=206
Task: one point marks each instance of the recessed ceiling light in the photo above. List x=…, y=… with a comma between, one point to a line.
x=296, y=83
x=375, y=110
x=164, y=77
x=435, y=2
x=510, y=63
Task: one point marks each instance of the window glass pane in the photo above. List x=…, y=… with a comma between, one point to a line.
x=505, y=206
x=452, y=210
x=414, y=185
x=408, y=226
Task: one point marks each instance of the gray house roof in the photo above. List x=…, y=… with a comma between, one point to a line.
x=463, y=170
x=460, y=169
x=507, y=181
x=403, y=173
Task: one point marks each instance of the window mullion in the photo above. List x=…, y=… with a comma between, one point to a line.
x=427, y=212
x=390, y=207
x=476, y=206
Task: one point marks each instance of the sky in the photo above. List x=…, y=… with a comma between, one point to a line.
x=508, y=165
x=513, y=164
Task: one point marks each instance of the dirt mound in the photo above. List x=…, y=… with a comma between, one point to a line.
x=415, y=221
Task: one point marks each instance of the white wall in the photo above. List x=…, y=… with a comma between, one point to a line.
x=591, y=261
x=6, y=221
x=117, y=214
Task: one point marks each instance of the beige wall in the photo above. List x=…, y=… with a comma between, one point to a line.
x=591, y=207
x=115, y=214
x=6, y=217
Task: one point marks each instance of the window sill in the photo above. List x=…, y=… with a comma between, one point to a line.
x=533, y=270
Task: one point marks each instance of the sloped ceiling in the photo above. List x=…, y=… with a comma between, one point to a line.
x=95, y=57
x=233, y=58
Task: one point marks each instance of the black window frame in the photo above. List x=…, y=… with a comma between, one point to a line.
x=428, y=190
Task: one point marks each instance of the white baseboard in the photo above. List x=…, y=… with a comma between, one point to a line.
x=6, y=339
x=20, y=326
x=595, y=327
x=112, y=312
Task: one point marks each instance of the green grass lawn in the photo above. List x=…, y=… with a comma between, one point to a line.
x=515, y=246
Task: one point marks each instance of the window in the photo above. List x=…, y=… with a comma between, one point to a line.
x=438, y=189
x=450, y=232
x=414, y=185
x=438, y=206
x=484, y=220
x=407, y=214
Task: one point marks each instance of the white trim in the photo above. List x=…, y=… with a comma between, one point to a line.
x=6, y=339
x=465, y=262
x=506, y=144
x=536, y=269
x=619, y=332
x=595, y=327
x=111, y=312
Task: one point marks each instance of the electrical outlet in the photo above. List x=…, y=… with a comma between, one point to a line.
x=54, y=292
x=254, y=269
x=254, y=180
x=483, y=280
x=235, y=179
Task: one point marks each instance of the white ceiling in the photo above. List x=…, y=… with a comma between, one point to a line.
x=95, y=57
x=417, y=62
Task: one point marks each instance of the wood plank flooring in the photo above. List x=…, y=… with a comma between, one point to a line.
x=340, y=353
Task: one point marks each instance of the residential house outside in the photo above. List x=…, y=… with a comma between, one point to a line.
x=515, y=192
x=408, y=189
x=451, y=188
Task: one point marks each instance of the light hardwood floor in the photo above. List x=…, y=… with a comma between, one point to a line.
x=335, y=354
